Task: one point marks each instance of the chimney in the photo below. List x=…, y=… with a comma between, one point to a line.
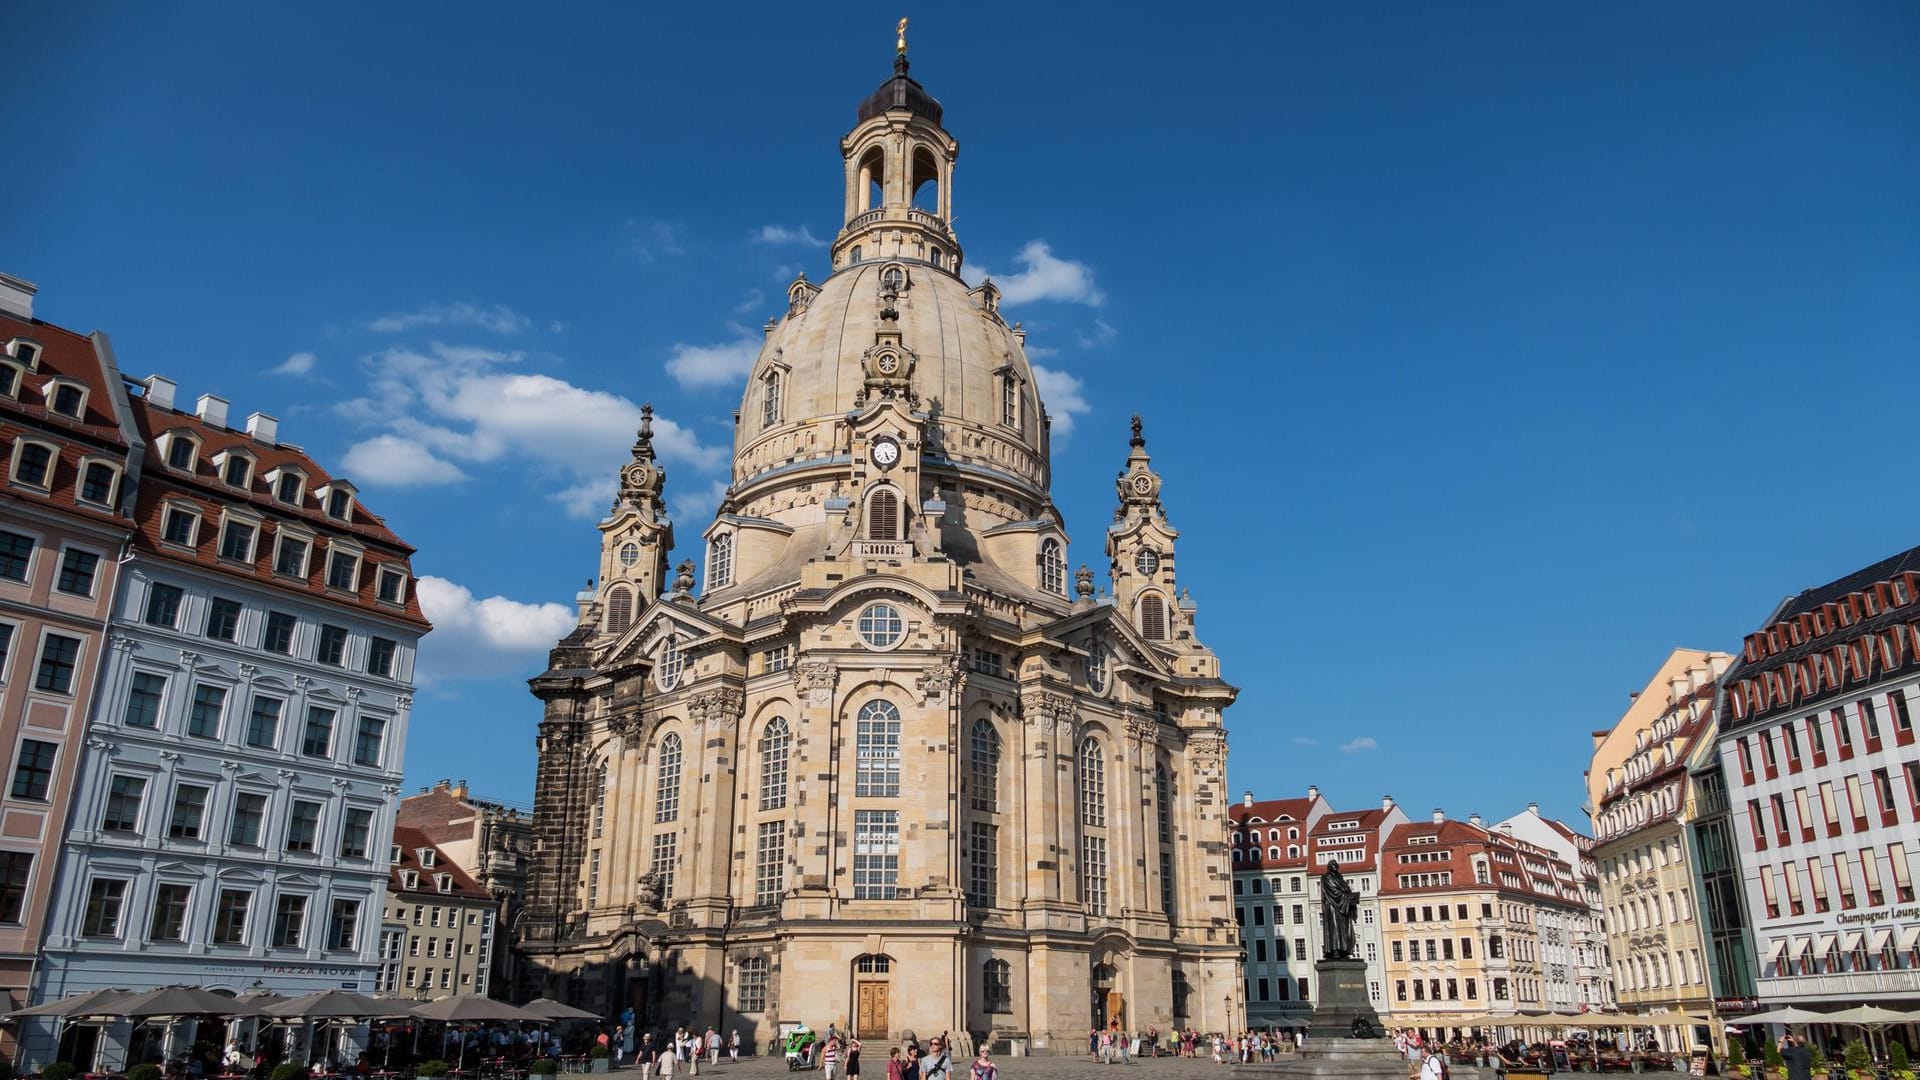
x=1439, y=816
x=460, y=789
x=211, y=408
x=16, y=296
x=160, y=391
x=1313, y=792
x=1246, y=799
x=1473, y=820
x=1386, y=802
x=1533, y=808
x=263, y=429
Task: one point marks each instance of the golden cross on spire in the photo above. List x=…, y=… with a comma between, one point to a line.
x=901, y=44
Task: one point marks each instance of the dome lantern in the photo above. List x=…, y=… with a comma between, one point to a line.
x=899, y=176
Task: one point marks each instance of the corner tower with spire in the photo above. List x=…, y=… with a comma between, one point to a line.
x=889, y=733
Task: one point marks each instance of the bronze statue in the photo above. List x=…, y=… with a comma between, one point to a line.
x=901, y=44
x=1339, y=906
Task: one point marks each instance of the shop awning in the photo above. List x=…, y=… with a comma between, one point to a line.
x=1851, y=941
x=1776, y=950
x=1909, y=935
x=1881, y=939
x=1802, y=946
x=1824, y=944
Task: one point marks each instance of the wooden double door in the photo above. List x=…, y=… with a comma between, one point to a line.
x=871, y=1001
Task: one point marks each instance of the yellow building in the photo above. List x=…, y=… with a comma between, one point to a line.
x=445, y=923
x=1640, y=788
x=893, y=766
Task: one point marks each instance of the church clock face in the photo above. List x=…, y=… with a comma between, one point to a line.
x=1146, y=562
x=886, y=452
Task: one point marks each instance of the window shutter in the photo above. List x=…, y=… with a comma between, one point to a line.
x=619, y=610
x=1153, y=618
x=883, y=516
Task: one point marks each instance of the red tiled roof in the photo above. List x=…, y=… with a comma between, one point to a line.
x=460, y=884
x=62, y=353
x=203, y=488
x=1366, y=824
x=1461, y=841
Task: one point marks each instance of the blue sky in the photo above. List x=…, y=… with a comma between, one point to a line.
x=1489, y=351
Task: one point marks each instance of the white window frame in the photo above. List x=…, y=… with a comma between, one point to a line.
x=325, y=494
x=53, y=466
x=337, y=546
x=52, y=387
x=276, y=474
x=80, y=480
x=288, y=531
x=192, y=510
x=101, y=564
x=166, y=452
x=720, y=559
x=32, y=363
x=231, y=454
x=245, y=517
x=19, y=379
x=380, y=572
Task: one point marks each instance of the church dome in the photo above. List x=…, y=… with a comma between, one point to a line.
x=901, y=92
x=966, y=368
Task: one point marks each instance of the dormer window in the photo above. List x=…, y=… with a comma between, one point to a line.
x=393, y=586
x=236, y=469
x=343, y=569
x=1053, y=568
x=33, y=464
x=292, y=550
x=9, y=380
x=394, y=854
x=770, y=399
x=180, y=524
x=98, y=481
x=337, y=499
x=426, y=856
x=288, y=485
x=26, y=352
x=444, y=881
x=237, y=538
x=69, y=399
x=720, y=562
x=1009, y=401
x=182, y=451
x=409, y=879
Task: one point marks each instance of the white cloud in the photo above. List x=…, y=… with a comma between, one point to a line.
x=391, y=461
x=1046, y=277
x=1364, y=742
x=700, y=367
x=490, y=636
x=299, y=364
x=497, y=319
x=1103, y=333
x=697, y=504
x=654, y=239
x=750, y=303
x=464, y=406
x=780, y=234
x=1064, y=396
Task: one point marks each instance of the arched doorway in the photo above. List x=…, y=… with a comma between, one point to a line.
x=1107, y=1005
x=872, y=995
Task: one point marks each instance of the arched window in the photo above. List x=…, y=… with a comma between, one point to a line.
x=883, y=514
x=1093, y=784
x=876, y=770
x=985, y=764
x=1153, y=617
x=666, y=804
x=770, y=399
x=619, y=608
x=670, y=663
x=873, y=182
x=873, y=964
x=1009, y=401
x=720, y=562
x=774, y=745
x=997, y=982
x=1053, y=568
x=1097, y=666
x=926, y=181
x=600, y=802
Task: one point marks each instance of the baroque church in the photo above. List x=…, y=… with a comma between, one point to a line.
x=892, y=766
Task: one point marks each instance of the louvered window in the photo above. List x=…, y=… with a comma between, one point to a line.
x=619, y=609
x=1153, y=617
x=883, y=515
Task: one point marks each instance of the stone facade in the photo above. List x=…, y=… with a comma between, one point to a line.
x=892, y=767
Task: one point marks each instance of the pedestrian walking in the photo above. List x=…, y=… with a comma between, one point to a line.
x=984, y=1068
x=733, y=1046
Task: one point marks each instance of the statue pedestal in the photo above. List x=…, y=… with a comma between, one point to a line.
x=1331, y=1049
x=1342, y=1000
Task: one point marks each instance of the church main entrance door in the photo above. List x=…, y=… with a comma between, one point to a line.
x=870, y=1010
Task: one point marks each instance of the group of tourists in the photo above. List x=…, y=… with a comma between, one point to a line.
x=839, y=1057
x=679, y=1053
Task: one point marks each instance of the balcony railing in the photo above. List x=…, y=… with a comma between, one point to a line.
x=881, y=549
